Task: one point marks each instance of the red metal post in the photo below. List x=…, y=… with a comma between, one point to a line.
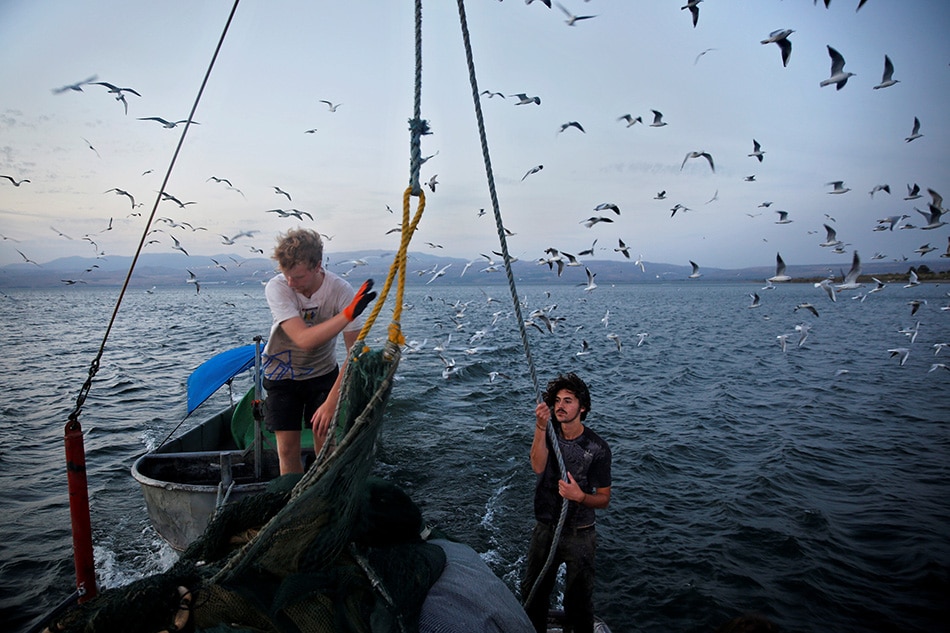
x=79, y=512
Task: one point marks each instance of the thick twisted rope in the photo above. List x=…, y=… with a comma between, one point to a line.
x=551, y=433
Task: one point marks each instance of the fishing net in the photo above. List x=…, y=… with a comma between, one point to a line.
x=333, y=550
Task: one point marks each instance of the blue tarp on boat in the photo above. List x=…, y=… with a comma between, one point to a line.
x=215, y=372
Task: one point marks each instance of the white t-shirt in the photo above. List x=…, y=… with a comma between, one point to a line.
x=283, y=359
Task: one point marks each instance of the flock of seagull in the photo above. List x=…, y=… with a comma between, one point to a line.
x=557, y=259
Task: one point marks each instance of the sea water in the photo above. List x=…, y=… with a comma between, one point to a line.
x=810, y=485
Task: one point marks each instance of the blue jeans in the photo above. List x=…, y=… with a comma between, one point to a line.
x=576, y=548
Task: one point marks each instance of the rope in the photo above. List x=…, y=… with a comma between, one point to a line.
x=94, y=365
x=417, y=125
x=551, y=433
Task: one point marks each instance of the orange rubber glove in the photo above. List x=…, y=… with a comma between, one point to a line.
x=360, y=301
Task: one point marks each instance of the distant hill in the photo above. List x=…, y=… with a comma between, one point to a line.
x=171, y=269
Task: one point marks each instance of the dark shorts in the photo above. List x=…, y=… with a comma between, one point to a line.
x=291, y=403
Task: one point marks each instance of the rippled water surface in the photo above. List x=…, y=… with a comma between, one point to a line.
x=810, y=485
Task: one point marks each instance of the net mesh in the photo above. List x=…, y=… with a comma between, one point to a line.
x=332, y=550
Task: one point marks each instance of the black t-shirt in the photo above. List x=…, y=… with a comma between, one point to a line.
x=587, y=457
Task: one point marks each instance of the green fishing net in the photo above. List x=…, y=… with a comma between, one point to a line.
x=332, y=550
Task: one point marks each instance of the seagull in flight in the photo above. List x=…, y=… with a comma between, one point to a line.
x=660, y=196
x=533, y=170
x=913, y=192
x=838, y=75
x=831, y=237
x=657, y=119
x=118, y=92
x=837, y=186
x=903, y=352
x=695, y=274
x=281, y=192
x=779, y=271
x=915, y=132
x=573, y=19
x=936, y=211
x=705, y=155
x=16, y=183
x=76, y=86
x=693, y=6
x=622, y=248
x=780, y=37
x=783, y=218
x=757, y=150
x=607, y=205
x=887, y=79
x=167, y=124
x=569, y=124
x=631, y=120
x=288, y=213
x=591, y=221
x=331, y=106
x=122, y=192
x=756, y=302
x=524, y=99
x=851, y=279
x=590, y=280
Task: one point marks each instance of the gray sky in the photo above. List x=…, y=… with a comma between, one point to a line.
x=281, y=58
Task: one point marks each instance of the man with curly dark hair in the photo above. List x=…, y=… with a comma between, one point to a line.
x=586, y=488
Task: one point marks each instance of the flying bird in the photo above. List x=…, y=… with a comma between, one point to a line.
x=630, y=119
x=903, y=352
x=569, y=124
x=705, y=155
x=693, y=6
x=783, y=218
x=590, y=280
x=76, y=86
x=915, y=132
x=936, y=212
x=851, y=279
x=533, y=170
x=290, y=213
x=831, y=237
x=331, y=106
x=281, y=192
x=118, y=92
x=657, y=119
x=122, y=192
x=573, y=19
x=780, y=37
x=887, y=78
x=16, y=183
x=757, y=150
x=591, y=221
x=779, y=271
x=838, y=75
x=837, y=186
x=695, y=274
x=603, y=206
x=524, y=99
x=167, y=124
x=622, y=248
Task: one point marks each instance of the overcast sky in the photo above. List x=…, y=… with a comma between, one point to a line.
x=716, y=85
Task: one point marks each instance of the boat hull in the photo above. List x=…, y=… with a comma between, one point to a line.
x=185, y=480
